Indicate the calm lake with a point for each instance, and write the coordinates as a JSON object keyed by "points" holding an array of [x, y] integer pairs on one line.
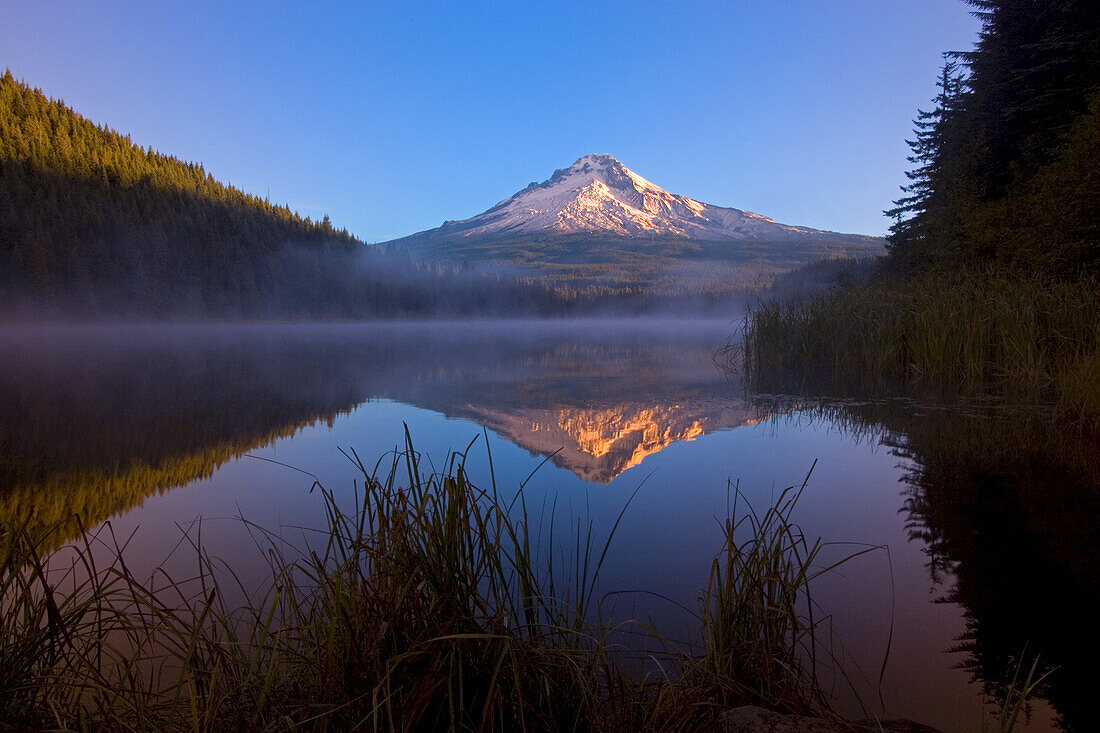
{"points": [[985, 516]]}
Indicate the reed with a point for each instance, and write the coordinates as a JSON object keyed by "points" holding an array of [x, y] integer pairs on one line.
{"points": [[1013, 701], [77, 636], [427, 607], [975, 330], [759, 625], [427, 604]]}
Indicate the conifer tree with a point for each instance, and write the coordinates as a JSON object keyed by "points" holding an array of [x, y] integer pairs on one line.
{"points": [[912, 211], [1003, 127]]}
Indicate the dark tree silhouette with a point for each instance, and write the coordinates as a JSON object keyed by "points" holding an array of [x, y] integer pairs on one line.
{"points": [[999, 178]]}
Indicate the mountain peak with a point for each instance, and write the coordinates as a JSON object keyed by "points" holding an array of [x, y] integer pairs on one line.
{"points": [[605, 169], [599, 196], [594, 163], [600, 160]]}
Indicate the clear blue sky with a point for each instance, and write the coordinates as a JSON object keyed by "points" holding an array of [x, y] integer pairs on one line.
{"points": [[392, 117]]}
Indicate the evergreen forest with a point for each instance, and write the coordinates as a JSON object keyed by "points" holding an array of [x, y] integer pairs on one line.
{"points": [[93, 225], [91, 221], [992, 279], [1007, 163]]}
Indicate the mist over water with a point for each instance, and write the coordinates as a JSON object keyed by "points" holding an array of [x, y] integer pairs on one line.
{"points": [[154, 426], [298, 282]]}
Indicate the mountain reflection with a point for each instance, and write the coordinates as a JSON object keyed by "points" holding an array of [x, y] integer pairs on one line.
{"points": [[599, 443], [1006, 502], [94, 419]]}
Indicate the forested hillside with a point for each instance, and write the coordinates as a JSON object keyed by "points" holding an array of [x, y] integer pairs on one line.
{"points": [[992, 280], [93, 225], [88, 219]]}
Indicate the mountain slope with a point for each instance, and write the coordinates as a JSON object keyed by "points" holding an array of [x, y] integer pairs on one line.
{"points": [[600, 195], [599, 222], [87, 216], [92, 225]]}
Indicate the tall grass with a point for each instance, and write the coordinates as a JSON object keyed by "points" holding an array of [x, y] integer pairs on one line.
{"points": [[970, 329], [427, 604], [1014, 700], [761, 627], [76, 637]]}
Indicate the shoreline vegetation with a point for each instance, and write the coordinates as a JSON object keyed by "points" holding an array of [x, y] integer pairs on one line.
{"points": [[430, 604], [1012, 334]]}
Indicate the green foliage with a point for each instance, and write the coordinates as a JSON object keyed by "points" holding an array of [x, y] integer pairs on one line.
{"points": [[92, 224], [995, 254], [87, 216], [923, 193], [1050, 223]]}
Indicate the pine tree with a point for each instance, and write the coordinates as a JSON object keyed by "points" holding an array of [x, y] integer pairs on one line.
{"points": [[931, 129], [1003, 117]]}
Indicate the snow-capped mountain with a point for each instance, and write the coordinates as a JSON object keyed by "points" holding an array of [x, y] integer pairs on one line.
{"points": [[598, 227], [598, 195]]}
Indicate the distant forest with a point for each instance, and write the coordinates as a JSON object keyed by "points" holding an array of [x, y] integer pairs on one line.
{"points": [[90, 221], [93, 225]]}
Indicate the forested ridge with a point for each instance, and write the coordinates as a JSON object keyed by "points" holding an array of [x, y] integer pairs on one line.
{"points": [[90, 220], [93, 225], [992, 279]]}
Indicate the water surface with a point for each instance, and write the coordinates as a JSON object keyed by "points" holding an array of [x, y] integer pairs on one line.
{"points": [[986, 517]]}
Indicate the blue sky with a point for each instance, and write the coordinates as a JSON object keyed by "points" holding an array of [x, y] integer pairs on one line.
{"points": [[392, 117]]}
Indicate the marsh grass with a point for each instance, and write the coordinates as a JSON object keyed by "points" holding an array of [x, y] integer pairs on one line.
{"points": [[427, 604], [976, 330], [762, 631], [765, 641], [75, 635]]}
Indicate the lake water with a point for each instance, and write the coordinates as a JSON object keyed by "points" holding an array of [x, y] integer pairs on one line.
{"points": [[986, 517]]}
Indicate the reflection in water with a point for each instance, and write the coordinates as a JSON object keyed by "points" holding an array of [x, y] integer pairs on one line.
{"points": [[1006, 503], [599, 443], [95, 420]]}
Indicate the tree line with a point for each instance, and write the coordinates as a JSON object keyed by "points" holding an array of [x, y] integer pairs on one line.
{"points": [[92, 224], [91, 221]]}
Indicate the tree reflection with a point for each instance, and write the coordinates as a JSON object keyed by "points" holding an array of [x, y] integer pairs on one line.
{"points": [[1006, 500]]}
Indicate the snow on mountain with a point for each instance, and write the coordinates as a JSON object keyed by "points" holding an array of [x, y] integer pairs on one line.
{"points": [[599, 195]]}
